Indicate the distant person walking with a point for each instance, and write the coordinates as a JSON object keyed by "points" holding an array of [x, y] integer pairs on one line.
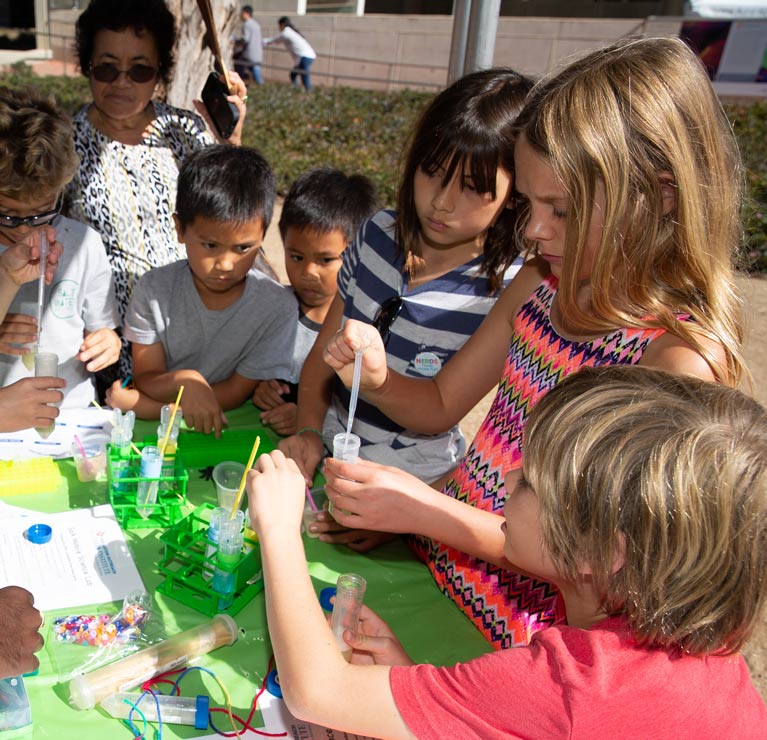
{"points": [[248, 47], [303, 54]]}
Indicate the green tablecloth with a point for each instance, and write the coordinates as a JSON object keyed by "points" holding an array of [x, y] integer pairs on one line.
{"points": [[399, 588]]}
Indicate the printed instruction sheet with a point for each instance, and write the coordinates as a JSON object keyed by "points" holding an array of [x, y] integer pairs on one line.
{"points": [[86, 561]]}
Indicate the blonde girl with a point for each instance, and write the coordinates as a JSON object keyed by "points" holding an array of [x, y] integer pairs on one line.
{"points": [[643, 497], [629, 178], [426, 274]]}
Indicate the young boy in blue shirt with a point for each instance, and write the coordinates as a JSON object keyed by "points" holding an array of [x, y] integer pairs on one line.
{"points": [[210, 322], [321, 214]]}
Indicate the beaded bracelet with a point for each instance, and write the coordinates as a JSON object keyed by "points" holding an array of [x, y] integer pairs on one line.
{"points": [[310, 429]]}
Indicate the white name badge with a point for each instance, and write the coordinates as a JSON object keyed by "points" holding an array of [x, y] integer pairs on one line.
{"points": [[427, 363]]}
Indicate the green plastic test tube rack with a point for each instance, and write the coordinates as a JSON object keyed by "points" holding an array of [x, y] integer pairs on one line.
{"points": [[36, 475], [202, 450], [188, 571], [123, 478]]}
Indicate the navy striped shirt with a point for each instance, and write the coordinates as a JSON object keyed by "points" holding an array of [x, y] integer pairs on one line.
{"points": [[435, 320]]}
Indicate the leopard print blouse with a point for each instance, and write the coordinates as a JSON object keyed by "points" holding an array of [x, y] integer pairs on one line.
{"points": [[127, 193]]}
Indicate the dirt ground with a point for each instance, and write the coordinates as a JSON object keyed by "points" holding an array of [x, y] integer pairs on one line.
{"points": [[754, 292]]}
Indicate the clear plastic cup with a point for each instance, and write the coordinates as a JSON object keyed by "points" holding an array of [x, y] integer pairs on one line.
{"points": [[310, 515], [92, 466], [227, 477]]}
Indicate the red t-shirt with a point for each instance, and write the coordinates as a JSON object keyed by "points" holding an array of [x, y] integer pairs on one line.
{"points": [[582, 684]]}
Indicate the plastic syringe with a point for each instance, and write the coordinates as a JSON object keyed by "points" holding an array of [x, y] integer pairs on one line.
{"points": [[91, 688]]}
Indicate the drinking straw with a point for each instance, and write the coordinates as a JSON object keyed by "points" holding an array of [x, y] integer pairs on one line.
{"points": [[238, 497], [310, 499], [95, 403], [355, 390], [86, 461]]}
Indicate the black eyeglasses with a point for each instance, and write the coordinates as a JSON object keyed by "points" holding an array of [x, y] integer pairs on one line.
{"points": [[41, 219], [139, 73], [386, 315]]}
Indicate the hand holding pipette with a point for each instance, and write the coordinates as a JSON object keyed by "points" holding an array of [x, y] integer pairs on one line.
{"points": [[20, 263], [340, 353]]}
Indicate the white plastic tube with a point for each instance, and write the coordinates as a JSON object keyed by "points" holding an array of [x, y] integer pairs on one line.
{"points": [[175, 710], [91, 688]]}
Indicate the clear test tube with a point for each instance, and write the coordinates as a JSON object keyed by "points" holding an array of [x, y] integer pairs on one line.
{"points": [[346, 447], [91, 688], [230, 542], [175, 710], [151, 467], [46, 366], [350, 590], [218, 515]]}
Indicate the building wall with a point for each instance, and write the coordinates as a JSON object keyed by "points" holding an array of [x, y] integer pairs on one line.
{"points": [[385, 52]]}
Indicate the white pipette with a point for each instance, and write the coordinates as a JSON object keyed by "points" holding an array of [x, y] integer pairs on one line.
{"points": [[41, 285], [355, 389]]}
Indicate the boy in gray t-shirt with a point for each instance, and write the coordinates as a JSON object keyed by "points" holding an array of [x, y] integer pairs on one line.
{"points": [[210, 322]]}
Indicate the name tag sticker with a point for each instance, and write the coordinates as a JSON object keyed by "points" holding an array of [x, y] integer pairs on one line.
{"points": [[427, 363]]}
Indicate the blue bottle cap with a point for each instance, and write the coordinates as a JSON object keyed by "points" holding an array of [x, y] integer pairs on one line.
{"points": [[201, 710], [39, 534], [325, 598], [273, 683]]}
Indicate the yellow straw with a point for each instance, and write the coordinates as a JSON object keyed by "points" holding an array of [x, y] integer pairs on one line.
{"points": [[238, 498], [170, 423], [101, 408]]}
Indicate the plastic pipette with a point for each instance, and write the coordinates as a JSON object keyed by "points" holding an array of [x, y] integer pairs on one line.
{"points": [[355, 389], [41, 286]]}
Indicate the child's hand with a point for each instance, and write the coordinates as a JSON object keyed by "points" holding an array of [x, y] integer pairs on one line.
{"points": [[375, 642], [282, 419], [24, 404], [359, 540], [269, 393], [380, 498], [306, 450], [17, 328], [20, 263], [202, 411], [339, 354], [275, 495], [100, 349], [121, 398]]}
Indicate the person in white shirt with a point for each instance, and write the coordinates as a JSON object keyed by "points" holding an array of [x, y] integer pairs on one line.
{"points": [[303, 54]]}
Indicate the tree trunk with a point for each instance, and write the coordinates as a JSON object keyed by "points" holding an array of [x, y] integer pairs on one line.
{"points": [[194, 59]]}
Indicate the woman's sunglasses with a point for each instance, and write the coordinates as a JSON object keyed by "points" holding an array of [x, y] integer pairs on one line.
{"points": [[139, 73], [386, 315], [40, 219]]}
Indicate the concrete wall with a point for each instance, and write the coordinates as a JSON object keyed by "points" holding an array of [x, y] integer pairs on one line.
{"points": [[386, 52]]}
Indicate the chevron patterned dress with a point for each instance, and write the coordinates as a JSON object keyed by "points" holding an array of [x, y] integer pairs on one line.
{"points": [[505, 606]]}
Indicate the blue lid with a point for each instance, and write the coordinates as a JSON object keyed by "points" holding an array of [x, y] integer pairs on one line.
{"points": [[39, 534], [325, 598], [201, 710], [273, 683]]}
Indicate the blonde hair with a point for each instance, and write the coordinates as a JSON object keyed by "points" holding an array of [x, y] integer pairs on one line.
{"points": [[679, 467], [627, 116], [37, 151]]}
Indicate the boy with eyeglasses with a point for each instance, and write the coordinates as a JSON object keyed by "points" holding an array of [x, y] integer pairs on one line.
{"points": [[37, 160]]}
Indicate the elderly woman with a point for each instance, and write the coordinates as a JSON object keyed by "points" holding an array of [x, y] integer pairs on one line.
{"points": [[130, 146]]}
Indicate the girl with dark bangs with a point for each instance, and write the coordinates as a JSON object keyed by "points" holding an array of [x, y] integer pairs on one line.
{"points": [[425, 275]]}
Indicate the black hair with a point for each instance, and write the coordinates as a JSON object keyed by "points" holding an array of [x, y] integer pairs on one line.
{"points": [[469, 124], [225, 183], [285, 21], [325, 200], [247, 9], [141, 16]]}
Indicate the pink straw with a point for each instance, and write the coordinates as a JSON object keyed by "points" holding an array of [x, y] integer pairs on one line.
{"points": [[310, 499], [86, 461]]}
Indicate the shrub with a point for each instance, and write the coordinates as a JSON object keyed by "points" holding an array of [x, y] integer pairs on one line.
{"points": [[366, 131]]}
